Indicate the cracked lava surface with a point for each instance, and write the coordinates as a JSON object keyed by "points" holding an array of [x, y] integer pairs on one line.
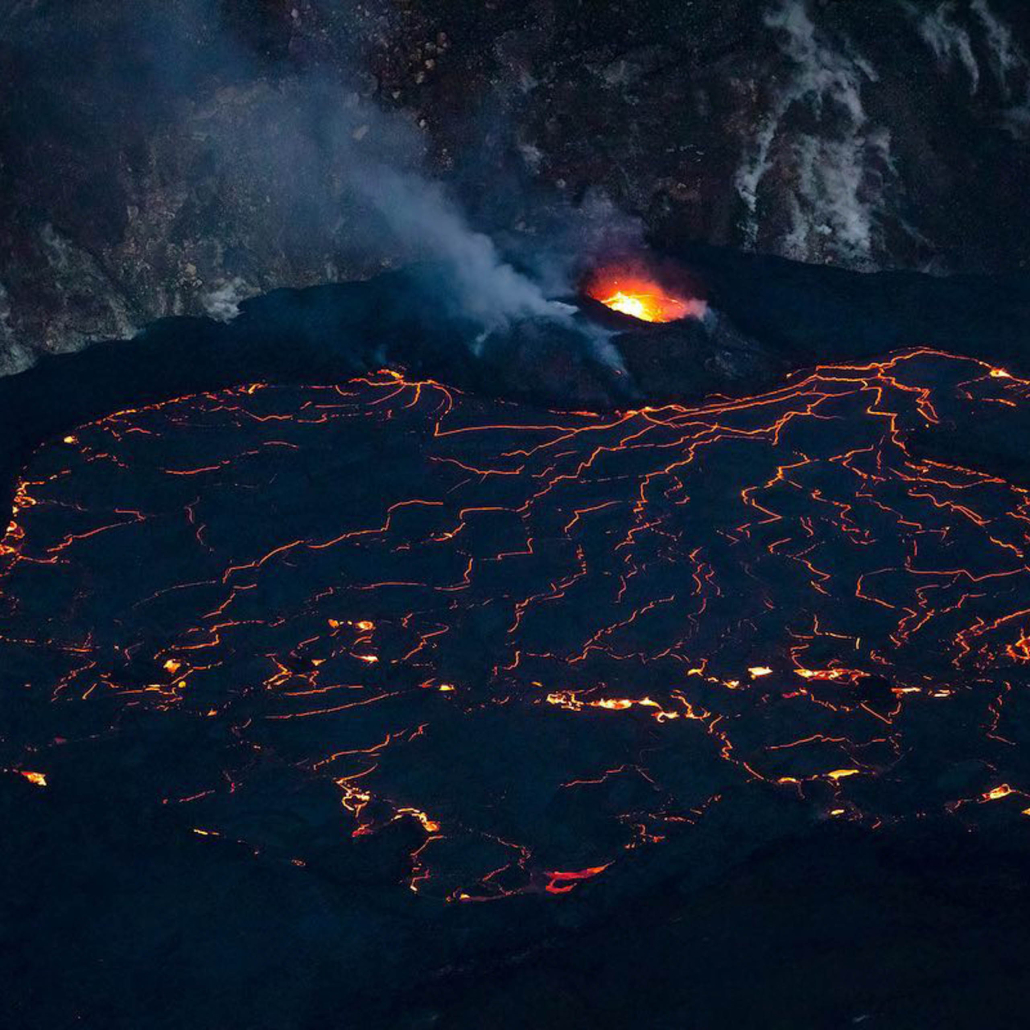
{"points": [[544, 644]]}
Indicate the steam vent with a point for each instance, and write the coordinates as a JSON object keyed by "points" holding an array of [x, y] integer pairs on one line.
{"points": [[514, 515]]}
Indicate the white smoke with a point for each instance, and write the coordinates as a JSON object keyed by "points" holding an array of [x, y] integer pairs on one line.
{"points": [[342, 181], [223, 303], [1001, 58], [333, 161], [831, 179], [1005, 56], [947, 38], [840, 171], [1011, 70], [14, 357], [423, 220]]}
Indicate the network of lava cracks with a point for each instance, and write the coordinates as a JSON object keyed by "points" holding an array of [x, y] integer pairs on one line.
{"points": [[544, 641]]}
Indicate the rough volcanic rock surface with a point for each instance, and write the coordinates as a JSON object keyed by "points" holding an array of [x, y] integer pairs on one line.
{"points": [[171, 158], [378, 704]]}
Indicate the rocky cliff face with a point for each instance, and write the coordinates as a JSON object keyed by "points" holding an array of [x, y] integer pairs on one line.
{"points": [[173, 158]]}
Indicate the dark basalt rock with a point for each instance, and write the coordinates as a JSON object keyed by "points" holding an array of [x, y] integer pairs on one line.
{"points": [[769, 316], [142, 914], [165, 159]]}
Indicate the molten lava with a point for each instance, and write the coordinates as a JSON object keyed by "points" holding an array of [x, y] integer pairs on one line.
{"points": [[642, 298], [523, 648]]}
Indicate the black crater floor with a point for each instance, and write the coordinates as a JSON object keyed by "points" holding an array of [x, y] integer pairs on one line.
{"points": [[415, 680]]}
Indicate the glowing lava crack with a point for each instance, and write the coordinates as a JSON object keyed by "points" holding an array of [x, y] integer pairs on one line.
{"points": [[529, 646]]}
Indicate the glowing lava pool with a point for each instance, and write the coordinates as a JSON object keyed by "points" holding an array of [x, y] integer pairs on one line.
{"points": [[525, 648], [642, 297]]}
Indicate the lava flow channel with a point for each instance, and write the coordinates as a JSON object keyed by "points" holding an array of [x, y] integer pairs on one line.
{"points": [[520, 649]]}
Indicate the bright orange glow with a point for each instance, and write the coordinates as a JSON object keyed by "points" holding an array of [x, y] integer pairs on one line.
{"points": [[563, 882], [429, 825], [567, 699], [757, 671], [642, 298], [37, 779]]}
